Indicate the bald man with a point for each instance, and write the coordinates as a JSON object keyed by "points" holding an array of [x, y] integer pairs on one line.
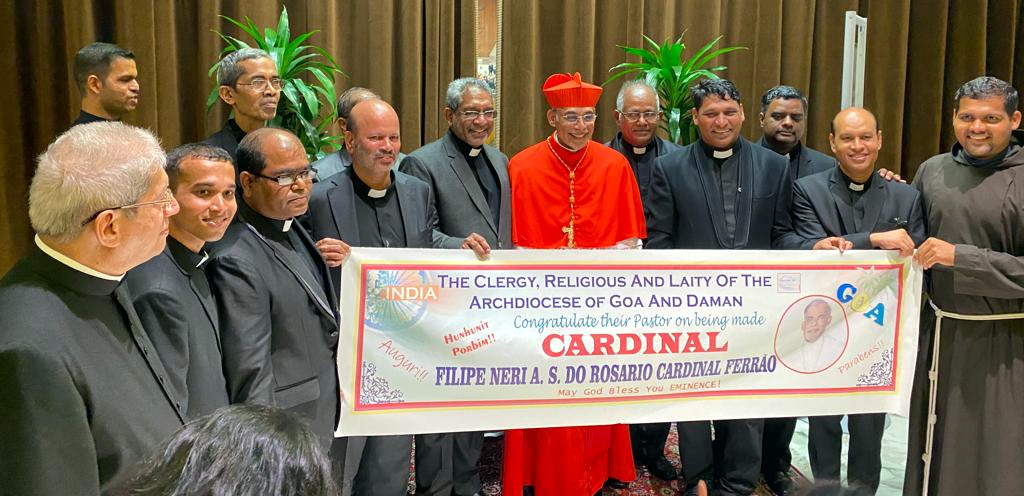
{"points": [[851, 207], [335, 162], [370, 204]]}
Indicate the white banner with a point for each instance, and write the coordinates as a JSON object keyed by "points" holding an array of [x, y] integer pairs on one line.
{"points": [[437, 341]]}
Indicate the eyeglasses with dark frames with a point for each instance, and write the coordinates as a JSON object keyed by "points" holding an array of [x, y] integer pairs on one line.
{"points": [[290, 178]]}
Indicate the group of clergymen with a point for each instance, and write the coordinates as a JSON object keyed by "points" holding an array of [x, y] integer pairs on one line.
{"points": [[111, 338]]}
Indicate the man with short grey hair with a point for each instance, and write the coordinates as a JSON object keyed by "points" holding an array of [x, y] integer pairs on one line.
{"points": [[85, 395], [470, 185], [250, 84], [335, 162], [108, 81]]}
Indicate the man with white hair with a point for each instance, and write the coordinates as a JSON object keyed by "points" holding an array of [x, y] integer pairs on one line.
{"points": [[84, 394]]}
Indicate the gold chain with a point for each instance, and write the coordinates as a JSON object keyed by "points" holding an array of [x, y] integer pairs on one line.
{"points": [[570, 230]]}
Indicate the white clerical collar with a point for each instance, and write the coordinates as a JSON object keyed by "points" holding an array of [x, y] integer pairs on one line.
{"points": [[287, 226], [639, 150], [472, 153], [722, 153], [856, 187], [64, 259]]}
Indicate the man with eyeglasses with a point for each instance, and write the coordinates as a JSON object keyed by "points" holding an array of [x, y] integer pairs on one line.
{"points": [[720, 192], [571, 192], [469, 181], [335, 162], [638, 113], [108, 82], [85, 396], [276, 304], [251, 86], [171, 292]]}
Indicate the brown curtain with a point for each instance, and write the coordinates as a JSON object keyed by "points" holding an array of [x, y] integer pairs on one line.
{"points": [[406, 50], [918, 54]]}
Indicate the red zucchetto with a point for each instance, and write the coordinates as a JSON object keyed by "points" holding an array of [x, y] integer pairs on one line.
{"points": [[569, 90]]}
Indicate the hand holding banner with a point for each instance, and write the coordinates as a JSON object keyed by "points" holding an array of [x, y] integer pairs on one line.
{"points": [[436, 341]]}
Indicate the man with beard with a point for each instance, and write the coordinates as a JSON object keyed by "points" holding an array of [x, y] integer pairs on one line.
{"points": [[84, 395], [250, 85], [108, 81], [850, 207], [721, 192], [276, 304], [571, 192], [171, 292], [470, 186], [335, 162], [370, 204], [973, 199]]}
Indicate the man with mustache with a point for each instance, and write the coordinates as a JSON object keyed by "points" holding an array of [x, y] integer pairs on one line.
{"points": [[85, 395], [783, 120], [720, 192], [469, 181], [972, 198], [370, 204], [569, 191], [251, 86], [276, 304], [335, 162], [108, 81], [171, 292]]}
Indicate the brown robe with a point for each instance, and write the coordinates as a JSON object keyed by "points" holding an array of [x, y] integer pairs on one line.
{"points": [[979, 435]]}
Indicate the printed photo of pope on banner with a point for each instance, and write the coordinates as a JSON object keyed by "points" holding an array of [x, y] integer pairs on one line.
{"points": [[434, 340]]}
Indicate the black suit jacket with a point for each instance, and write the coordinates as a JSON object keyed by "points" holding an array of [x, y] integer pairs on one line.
{"points": [[686, 206], [458, 199], [84, 395], [180, 316], [811, 161], [278, 332], [820, 210], [332, 212]]}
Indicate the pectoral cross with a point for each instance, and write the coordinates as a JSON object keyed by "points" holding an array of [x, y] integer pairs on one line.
{"points": [[570, 231]]}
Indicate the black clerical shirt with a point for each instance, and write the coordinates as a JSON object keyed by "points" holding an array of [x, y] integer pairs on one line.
{"points": [[85, 118], [485, 174], [853, 195], [727, 175], [379, 215]]}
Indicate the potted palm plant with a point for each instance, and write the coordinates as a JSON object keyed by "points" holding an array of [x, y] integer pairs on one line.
{"points": [[664, 67], [308, 99]]}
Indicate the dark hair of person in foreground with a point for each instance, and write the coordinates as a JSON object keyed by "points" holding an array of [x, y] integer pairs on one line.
{"points": [[238, 450]]}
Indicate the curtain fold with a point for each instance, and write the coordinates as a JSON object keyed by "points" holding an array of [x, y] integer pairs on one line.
{"points": [[408, 50]]}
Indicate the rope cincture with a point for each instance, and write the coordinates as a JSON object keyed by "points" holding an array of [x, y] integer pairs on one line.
{"points": [[933, 378]]}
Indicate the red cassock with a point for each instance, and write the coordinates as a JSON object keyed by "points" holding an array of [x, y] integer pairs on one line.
{"points": [[604, 209]]}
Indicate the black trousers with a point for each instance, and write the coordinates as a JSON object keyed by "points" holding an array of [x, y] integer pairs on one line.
{"points": [[775, 454], [446, 463], [649, 440], [825, 445], [731, 463]]}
